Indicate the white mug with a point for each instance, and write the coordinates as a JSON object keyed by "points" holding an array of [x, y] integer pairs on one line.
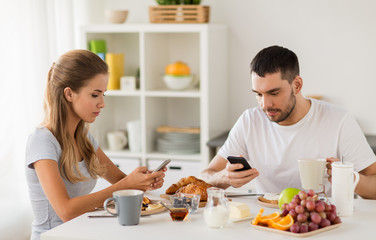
{"points": [[343, 185], [312, 171], [117, 140]]}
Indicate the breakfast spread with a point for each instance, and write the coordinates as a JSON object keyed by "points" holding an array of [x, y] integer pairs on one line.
{"points": [[191, 185]]}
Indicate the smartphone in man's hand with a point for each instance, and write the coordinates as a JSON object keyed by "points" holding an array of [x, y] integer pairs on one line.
{"points": [[238, 159]]}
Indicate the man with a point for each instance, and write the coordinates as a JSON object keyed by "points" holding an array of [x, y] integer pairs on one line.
{"points": [[287, 127]]}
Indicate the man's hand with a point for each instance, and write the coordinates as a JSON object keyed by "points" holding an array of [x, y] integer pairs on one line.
{"points": [[239, 178], [329, 167]]}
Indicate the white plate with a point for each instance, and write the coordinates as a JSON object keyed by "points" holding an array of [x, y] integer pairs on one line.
{"points": [[242, 219]]}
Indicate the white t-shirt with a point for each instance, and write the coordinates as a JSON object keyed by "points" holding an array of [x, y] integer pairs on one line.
{"points": [[325, 131]]}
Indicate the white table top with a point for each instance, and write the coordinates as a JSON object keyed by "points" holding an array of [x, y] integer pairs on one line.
{"points": [[361, 225]]}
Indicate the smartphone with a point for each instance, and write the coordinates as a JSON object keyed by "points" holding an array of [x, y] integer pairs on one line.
{"points": [[164, 164], [242, 160]]}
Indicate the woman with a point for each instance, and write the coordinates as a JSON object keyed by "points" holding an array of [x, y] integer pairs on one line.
{"points": [[63, 160]]}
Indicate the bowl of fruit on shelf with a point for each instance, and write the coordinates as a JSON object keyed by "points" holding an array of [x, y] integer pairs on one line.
{"points": [[304, 214], [178, 76]]}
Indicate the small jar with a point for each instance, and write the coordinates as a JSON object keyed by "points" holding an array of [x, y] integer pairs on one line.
{"points": [[217, 211]]}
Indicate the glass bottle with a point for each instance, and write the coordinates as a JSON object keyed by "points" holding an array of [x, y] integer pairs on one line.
{"points": [[217, 211]]}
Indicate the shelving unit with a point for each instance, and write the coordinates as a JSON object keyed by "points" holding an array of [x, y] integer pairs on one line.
{"points": [[149, 48]]}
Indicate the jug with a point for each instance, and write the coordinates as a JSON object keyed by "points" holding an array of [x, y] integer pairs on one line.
{"points": [[344, 181], [217, 210]]}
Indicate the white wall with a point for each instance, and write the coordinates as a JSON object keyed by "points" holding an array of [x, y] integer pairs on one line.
{"points": [[334, 40]]}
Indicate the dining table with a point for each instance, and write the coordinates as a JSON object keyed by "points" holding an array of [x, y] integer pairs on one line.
{"points": [[360, 225]]}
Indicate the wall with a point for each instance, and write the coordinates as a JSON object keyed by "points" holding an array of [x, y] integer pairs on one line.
{"points": [[334, 41]]}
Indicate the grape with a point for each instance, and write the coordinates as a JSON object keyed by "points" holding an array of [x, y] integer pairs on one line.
{"points": [[330, 216], [301, 217], [299, 209], [292, 205], [283, 206], [293, 213], [313, 226], [296, 199], [324, 223], [322, 214], [311, 193], [320, 207], [328, 207], [295, 228], [315, 217], [302, 195], [303, 202], [284, 213], [303, 228], [337, 220], [334, 208], [310, 205]]}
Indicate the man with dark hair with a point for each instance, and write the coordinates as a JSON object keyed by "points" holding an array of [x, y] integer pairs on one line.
{"points": [[287, 127]]}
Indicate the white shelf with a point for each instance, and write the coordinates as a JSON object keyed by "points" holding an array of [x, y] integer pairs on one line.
{"points": [[148, 48]]}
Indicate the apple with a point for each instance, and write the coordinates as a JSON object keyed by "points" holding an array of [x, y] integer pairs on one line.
{"points": [[287, 195]]}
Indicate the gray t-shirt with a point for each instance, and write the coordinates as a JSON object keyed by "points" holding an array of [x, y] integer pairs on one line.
{"points": [[42, 144]]}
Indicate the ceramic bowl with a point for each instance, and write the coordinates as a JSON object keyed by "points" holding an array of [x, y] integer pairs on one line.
{"points": [[116, 16], [177, 82]]}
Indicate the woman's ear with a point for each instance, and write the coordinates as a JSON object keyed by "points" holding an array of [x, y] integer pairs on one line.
{"points": [[68, 94]]}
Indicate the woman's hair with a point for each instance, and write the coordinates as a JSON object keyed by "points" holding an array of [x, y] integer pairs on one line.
{"points": [[276, 59], [73, 69]]}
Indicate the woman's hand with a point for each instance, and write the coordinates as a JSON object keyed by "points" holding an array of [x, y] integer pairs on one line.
{"points": [[143, 179]]}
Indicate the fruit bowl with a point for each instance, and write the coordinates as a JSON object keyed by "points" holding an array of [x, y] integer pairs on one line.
{"points": [[176, 82]]}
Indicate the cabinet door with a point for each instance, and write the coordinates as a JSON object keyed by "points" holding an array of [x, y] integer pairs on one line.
{"points": [[177, 169], [126, 165]]}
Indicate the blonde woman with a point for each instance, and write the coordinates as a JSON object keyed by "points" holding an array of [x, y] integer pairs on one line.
{"points": [[62, 158]]}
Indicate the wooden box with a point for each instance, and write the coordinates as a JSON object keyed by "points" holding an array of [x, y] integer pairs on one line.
{"points": [[179, 14]]}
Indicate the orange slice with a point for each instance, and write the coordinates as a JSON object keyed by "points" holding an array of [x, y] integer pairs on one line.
{"points": [[256, 220], [283, 224], [271, 217]]}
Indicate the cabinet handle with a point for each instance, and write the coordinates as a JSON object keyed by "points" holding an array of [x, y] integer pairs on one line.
{"points": [[117, 165], [174, 168]]}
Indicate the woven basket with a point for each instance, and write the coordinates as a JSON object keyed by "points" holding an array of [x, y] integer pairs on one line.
{"points": [[179, 14]]}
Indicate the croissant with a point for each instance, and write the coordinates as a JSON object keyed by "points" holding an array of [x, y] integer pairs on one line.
{"points": [[196, 188], [181, 183]]}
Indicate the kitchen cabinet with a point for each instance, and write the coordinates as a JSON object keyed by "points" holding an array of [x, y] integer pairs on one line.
{"points": [[148, 48]]}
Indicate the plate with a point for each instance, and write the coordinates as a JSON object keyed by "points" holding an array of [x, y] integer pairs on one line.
{"points": [[265, 204], [307, 234], [234, 220], [111, 208]]}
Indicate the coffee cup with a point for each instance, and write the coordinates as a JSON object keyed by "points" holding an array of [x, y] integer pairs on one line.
{"points": [[344, 181], [312, 171], [128, 205], [117, 140]]}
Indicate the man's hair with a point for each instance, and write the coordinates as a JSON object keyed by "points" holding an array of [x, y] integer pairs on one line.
{"points": [[276, 59]]}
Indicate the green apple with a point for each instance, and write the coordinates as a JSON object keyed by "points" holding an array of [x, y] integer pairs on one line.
{"points": [[287, 195]]}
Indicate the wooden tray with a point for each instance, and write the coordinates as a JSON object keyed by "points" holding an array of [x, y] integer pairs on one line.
{"points": [[179, 14], [165, 196], [307, 234]]}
